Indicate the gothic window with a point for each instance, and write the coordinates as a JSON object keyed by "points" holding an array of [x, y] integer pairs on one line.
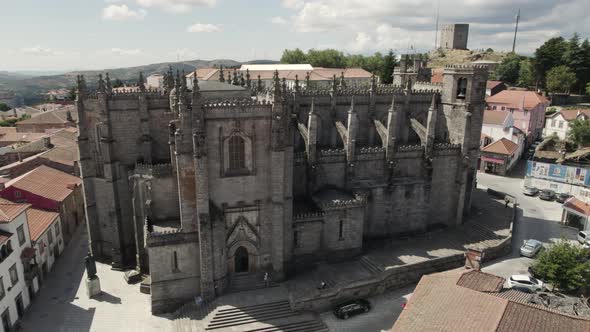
{"points": [[175, 262], [340, 230], [296, 239], [237, 158], [462, 88]]}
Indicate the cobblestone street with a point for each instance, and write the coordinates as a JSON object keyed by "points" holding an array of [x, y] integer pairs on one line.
{"points": [[62, 304]]}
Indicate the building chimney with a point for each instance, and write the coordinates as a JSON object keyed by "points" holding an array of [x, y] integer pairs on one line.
{"points": [[47, 142], [473, 259]]}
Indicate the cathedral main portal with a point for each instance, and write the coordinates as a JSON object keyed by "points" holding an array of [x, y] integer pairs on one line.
{"points": [[241, 260]]}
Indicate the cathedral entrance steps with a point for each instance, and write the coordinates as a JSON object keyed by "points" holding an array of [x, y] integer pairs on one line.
{"points": [[192, 312], [251, 314], [313, 325], [370, 265], [248, 281]]}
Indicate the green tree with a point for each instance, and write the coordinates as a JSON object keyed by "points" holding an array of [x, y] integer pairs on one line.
{"points": [[375, 63], [72, 94], [4, 107], [526, 73], [574, 58], [547, 56], [565, 265], [579, 132], [117, 83], [508, 70], [588, 89], [328, 58], [356, 61], [584, 71], [560, 79], [386, 75], [293, 56]]}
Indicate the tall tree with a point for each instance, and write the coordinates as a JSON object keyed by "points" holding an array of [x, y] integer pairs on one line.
{"points": [[507, 71], [356, 61], [584, 76], [579, 132], [293, 56], [560, 79], [329, 58], [547, 56], [526, 73], [389, 62], [565, 265], [573, 57], [375, 63], [4, 107]]}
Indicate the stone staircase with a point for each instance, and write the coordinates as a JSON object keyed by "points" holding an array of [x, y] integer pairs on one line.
{"points": [[370, 265], [240, 282], [313, 325], [191, 312]]}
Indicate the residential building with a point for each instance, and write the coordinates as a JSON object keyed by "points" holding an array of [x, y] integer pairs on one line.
{"points": [[494, 87], [9, 136], [17, 283], [464, 300], [49, 189], [499, 157], [155, 81], [10, 98], [58, 95], [558, 123], [527, 108], [502, 144], [46, 238], [47, 121]]}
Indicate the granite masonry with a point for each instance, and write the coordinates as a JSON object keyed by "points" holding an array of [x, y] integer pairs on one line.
{"points": [[193, 189]]}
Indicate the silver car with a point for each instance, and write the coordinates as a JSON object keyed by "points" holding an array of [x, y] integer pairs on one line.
{"points": [[530, 248], [530, 191]]}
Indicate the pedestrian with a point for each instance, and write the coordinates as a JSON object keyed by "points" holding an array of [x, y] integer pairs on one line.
{"points": [[266, 281]]}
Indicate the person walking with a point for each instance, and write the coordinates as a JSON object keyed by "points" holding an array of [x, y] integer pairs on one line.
{"points": [[266, 281]]}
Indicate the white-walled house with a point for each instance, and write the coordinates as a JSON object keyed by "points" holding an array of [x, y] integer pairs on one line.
{"points": [[46, 238], [558, 123], [14, 244], [502, 144]]}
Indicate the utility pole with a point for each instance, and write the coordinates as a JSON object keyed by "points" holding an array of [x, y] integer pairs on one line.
{"points": [[437, 15], [515, 31]]}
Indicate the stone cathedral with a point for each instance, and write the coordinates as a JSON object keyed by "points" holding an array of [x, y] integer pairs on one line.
{"points": [[195, 184]]}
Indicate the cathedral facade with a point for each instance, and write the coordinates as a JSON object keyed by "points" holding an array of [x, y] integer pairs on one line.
{"points": [[192, 188]]}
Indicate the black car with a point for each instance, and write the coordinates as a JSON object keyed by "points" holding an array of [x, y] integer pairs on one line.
{"points": [[561, 198], [351, 308], [546, 195]]}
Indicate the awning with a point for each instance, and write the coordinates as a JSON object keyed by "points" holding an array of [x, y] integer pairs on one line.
{"points": [[493, 160]]}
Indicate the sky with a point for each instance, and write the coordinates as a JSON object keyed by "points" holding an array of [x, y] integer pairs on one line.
{"points": [[61, 35]]}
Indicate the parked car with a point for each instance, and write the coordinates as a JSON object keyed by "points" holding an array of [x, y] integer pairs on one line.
{"points": [[562, 197], [523, 289], [530, 191], [530, 248], [524, 281], [583, 237], [547, 195], [351, 308]]}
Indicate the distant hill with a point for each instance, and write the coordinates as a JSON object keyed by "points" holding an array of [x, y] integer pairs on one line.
{"points": [[440, 58], [31, 87]]}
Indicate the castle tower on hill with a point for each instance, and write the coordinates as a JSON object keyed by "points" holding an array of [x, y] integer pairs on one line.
{"points": [[454, 36], [194, 188]]}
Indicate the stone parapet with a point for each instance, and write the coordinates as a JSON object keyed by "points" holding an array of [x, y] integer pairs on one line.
{"points": [[155, 170], [158, 239]]}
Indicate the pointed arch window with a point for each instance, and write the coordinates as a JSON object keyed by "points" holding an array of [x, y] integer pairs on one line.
{"points": [[462, 88], [237, 155]]}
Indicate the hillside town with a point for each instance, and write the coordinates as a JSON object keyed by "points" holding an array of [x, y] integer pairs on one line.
{"points": [[418, 187]]}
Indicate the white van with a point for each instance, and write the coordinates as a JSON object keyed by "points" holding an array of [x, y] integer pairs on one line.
{"points": [[583, 237]]}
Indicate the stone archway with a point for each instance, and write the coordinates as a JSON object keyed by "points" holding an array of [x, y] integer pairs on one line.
{"points": [[241, 261]]}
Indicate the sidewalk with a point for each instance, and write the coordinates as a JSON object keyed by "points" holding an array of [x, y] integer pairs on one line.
{"points": [[62, 305]]}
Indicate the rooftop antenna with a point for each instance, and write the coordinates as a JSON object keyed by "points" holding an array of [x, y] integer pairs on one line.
{"points": [[436, 33], [515, 31]]}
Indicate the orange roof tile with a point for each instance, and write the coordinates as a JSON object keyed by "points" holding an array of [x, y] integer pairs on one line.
{"points": [[46, 182], [570, 115], [10, 210], [501, 146], [515, 99], [437, 75], [481, 281], [578, 205], [494, 117], [39, 221], [493, 84]]}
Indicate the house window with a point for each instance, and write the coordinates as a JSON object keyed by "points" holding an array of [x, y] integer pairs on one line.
{"points": [[21, 235], [17, 194], [56, 229], [237, 158], [13, 274], [526, 112], [560, 124], [2, 292], [341, 230], [50, 236], [553, 123], [296, 239], [494, 107], [503, 108], [175, 262]]}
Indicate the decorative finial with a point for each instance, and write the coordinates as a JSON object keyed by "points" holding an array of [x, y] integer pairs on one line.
{"points": [[296, 83], [373, 83], [140, 83], [342, 82], [334, 84], [434, 102], [277, 83], [307, 80], [101, 87], [235, 80], [196, 88], [284, 86], [242, 80], [312, 110], [248, 82], [259, 84], [109, 86], [221, 78], [351, 110]]}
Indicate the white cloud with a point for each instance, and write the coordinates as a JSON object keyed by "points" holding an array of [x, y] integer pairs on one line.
{"points": [[122, 13], [125, 52], [204, 27], [41, 51], [176, 6], [278, 20], [293, 4]]}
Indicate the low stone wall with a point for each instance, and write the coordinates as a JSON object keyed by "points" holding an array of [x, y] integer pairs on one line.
{"points": [[397, 277]]}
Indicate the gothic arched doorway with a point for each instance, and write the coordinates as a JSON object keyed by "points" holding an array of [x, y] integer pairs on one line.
{"points": [[241, 260]]}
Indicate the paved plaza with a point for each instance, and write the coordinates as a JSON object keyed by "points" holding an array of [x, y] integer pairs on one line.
{"points": [[62, 304]]}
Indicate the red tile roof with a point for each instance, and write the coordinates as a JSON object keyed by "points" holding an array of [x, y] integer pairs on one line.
{"points": [[49, 117], [570, 115], [46, 182], [317, 74], [480, 281], [441, 303], [578, 206], [516, 98], [494, 117], [437, 75], [493, 84], [10, 210], [501, 146], [39, 221]]}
